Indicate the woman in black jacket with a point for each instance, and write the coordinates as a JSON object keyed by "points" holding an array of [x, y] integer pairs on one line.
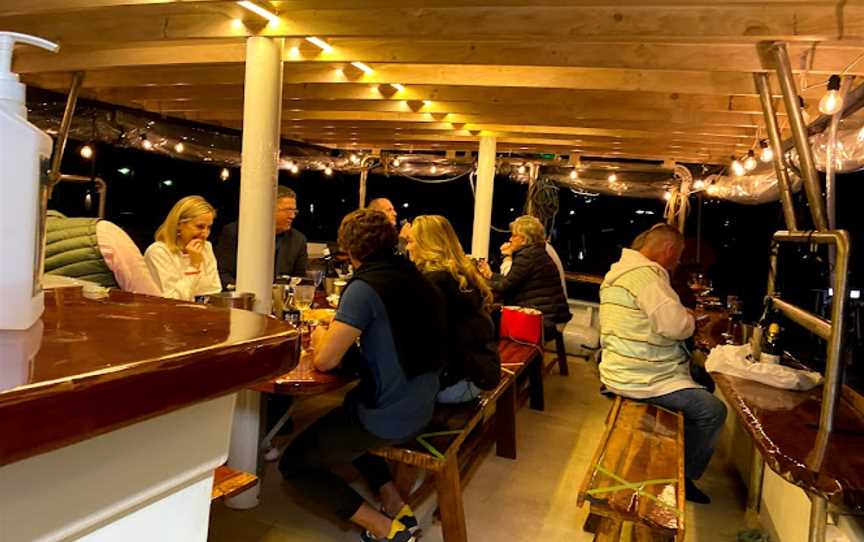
{"points": [[533, 280], [473, 363]]}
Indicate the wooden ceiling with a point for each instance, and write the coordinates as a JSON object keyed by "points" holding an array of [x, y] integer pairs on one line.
{"points": [[661, 79]]}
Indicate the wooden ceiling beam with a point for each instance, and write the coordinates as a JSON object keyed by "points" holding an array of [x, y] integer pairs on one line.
{"points": [[821, 58], [705, 24]]}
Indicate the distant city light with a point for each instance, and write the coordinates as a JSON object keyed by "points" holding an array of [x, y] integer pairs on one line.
{"points": [[167, 182], [405, 205], [124, 171]]}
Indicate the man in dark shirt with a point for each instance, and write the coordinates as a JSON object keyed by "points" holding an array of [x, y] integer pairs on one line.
{"points": [[291, 257]]}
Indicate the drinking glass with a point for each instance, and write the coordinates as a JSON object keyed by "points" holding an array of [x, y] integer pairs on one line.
{"points": [[304, 295], [316, 275]]}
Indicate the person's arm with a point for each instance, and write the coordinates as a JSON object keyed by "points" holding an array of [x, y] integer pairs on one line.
{"points": [[170, 276], [668, 316], [330, 344], [519, 272], [208, 280], [225, 251], [125, 260]]}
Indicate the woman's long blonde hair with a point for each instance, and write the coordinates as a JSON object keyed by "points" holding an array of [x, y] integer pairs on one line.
{"points": [[437, 249], [188, 208]]}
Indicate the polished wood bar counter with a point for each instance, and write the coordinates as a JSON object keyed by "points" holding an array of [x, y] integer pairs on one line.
{"points": [[93, 366]]}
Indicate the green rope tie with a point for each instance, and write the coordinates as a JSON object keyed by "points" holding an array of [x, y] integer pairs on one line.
{"points": [[432, 449], [638, 487]]}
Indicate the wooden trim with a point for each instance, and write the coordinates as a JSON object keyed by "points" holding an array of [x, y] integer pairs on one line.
{"points": [[595, 459]]}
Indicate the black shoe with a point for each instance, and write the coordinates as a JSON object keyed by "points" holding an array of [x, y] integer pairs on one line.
{"points": [[694, 494]]}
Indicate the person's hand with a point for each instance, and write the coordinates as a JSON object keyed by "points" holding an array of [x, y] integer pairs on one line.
{"points": [[484, 269], [507, 249], [195, 250]]}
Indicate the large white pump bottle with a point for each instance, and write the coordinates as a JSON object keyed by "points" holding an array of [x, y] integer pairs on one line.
{"points": [[25, 152]]}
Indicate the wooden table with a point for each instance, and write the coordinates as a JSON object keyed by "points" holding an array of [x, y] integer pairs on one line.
{"points": [[305, 380]]}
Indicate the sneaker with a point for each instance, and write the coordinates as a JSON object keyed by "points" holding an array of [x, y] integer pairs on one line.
{"points": [[694, 494], [272, 454], [398, 533], [406, 516]]}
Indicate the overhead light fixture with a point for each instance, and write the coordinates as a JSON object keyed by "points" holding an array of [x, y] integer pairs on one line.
{"points": [[124, 171], [328, 171], [766, 154], [86, 152], [831, 103], [179, 147], [225, 174], [362, 67], [737, 167], [258, 10], [321, 44], [750, 162], [612, 177]]}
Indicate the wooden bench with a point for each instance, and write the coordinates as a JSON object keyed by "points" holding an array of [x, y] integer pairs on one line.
{"points": [[452, 442], [635, 484], [228, 482]]}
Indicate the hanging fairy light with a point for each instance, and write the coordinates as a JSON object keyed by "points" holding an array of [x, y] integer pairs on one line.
{"points": [[86, 152], [295, 169], [737, 167], [521, 169], [396, 162], [712, 190], [179, 147], [354, 159], [698, 184], [574, 175], [750, 162], [667, 195], [433, 170], [225, 174], [328, 171], [831, 103], [612, 178], [766, 154]]}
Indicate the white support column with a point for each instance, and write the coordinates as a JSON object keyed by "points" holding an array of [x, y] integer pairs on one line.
{"points": [[262, 109], [483, 198]]}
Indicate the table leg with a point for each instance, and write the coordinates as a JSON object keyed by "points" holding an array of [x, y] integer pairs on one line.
{"points": [[754, 488]]}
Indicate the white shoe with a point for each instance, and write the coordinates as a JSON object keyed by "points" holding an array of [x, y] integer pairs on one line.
{"points": [[272, 454]]}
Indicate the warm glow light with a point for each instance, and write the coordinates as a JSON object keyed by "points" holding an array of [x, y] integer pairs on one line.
{"points": [[321, 44], [258, 10], [750, 162], [86, 152], [433, 170], [521, 169], [295, 169], [147, 144], [667, 195], [225, 174], [698, 184], [362, 67], [294, 52], [179, 147], [737, 167], [831, 103], [712, 190], [574, 174], [612, 177], [354, 159], [396, 162], [237, 24], [766, 154], [328, 171]]}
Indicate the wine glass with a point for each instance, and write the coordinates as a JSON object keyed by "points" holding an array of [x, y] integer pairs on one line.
{"points": [[316, 275], [304, 295]]}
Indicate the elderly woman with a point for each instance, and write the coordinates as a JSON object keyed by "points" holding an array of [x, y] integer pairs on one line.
{"points": [[396, 315], [181, 260], [473, 363], [533, 279]]}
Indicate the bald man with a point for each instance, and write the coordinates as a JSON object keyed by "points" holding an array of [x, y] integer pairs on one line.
{"points": [[385, 206], [643, 326]]}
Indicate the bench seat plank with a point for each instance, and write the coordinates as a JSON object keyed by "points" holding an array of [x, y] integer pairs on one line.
{"points": [[228, 482]]}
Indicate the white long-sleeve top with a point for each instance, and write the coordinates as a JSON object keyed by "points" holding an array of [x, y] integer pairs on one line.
{"points": [[175, 275]]}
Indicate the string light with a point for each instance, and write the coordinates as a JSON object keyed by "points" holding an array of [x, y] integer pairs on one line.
{"points": [[396, 162], [521, 169], [362, 67], [698, 184], [574, 175], [354, 159], [737, 167], [712, 190], [86, 152], [295, 169], [328, 171], [766, 154], [147, 144], [750, 162], [321, 44], [225, 174], [433, 170], [179, 147], [831, 103], [612, 177], [667, 195], [258, 10]]}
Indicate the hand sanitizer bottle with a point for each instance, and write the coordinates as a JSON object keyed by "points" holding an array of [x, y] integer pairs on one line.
{"points": [[24, 158]]}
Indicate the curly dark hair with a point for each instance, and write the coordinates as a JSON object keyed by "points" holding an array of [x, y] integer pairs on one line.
{"points": [[366, 234]]}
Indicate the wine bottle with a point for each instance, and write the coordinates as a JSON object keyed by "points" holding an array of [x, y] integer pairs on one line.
{"points": [[771, 350], [291, 313]]}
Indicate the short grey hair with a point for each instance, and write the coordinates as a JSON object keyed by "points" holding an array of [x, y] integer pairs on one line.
{"points": [[530, 228], [377, 204], [657, 234], [285, 192]]}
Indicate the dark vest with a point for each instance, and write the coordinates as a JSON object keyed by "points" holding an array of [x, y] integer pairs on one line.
{"points": [[71, 250]]}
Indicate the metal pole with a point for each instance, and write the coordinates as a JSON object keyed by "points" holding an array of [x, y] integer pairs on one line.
{"points": [[830, 169], [763, 85], [262, 108], [483, 197], [699, 201], [65, 125], [754, 491], [812, 186], [834, 366], [818, 519]]}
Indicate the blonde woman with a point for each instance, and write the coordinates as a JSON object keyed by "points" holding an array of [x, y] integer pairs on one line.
{"points": [[472, 355], [181, 260]]}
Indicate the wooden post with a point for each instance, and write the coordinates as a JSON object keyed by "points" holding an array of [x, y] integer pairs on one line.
{"points": [[483, 198], [262, 107]]}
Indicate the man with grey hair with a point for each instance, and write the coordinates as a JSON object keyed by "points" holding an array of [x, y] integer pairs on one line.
{"points": [[385, 206], [291, 256], [643, 326]]}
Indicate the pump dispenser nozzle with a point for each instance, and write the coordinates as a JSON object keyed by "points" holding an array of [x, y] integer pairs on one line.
{"points": [[11, 90]]}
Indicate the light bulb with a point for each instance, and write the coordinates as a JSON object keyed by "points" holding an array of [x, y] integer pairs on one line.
{"points": [[574, 174], [396, 162], [147, 144], [737, 168], [698, 184], [354, 158], [295, 169], [766, 154], [750, 162], [433, 170], [179, 147], [667, 195], [712, 190], [612, 177], [521, 169], [86, 152], [328, 171], [831, 103], [224, 174]]}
